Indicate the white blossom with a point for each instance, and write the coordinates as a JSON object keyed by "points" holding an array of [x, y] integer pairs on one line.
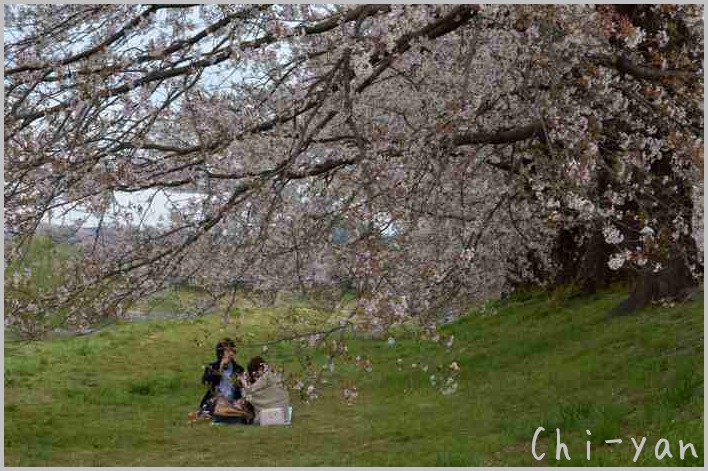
{"points": [[617, 260], [612, 235]]}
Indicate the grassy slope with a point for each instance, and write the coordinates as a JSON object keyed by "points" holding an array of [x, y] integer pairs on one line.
{"points": [[120, 397]]}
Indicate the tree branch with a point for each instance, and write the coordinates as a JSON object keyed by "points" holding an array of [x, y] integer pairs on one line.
{"points": [[624, 65], [509, 136], [450, 22]]}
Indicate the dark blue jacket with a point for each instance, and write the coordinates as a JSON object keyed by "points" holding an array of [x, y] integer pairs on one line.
{"points": [[212, 377]]}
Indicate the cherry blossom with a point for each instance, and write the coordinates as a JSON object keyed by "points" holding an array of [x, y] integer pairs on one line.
{"points": [[418, 156]]}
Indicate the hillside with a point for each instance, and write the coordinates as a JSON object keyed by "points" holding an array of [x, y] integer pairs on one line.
{"points": [[120, 397]]}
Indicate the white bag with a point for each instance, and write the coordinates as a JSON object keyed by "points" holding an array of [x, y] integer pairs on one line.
{"points": [[276, 416]]}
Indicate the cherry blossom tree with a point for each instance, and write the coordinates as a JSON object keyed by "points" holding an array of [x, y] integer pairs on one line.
{"points": [[421, 155]]}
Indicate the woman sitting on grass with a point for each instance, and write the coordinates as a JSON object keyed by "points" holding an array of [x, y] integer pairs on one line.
{"points": [[220, 376], [263, 389]]}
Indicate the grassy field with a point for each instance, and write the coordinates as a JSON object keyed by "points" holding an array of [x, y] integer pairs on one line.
{"points": [[120, 397]]}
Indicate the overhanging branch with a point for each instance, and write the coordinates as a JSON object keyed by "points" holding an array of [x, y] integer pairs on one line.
{"points": [[509, 136], [653, 74]]}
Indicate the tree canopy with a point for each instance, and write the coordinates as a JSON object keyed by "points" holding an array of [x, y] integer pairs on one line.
{"points": [[417, 154]]}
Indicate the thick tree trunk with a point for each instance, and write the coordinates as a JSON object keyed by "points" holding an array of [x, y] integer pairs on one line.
{"points": [[675, 282], [585, 263], [681, 256]]}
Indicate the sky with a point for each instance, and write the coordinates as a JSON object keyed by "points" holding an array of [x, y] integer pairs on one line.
{"points": [[162, 202], [154, 212], [157, 205]]}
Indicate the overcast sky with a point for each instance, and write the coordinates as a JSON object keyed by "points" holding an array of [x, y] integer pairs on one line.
{"points": [[156, 208]]}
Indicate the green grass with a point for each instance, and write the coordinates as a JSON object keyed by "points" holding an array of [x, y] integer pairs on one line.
{"points": [[42, 267], [120, 397]]}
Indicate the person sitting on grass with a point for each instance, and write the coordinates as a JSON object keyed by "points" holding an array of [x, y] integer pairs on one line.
{"points": [[220, 376], [263, 389]]}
